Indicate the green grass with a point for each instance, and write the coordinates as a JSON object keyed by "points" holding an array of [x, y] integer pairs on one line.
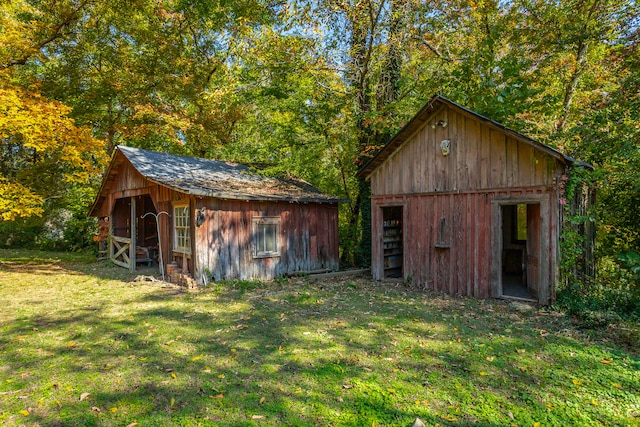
{"points": [[81, 346]]}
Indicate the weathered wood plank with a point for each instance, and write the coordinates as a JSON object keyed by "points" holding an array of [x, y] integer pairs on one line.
{"points": [[498, 159]]}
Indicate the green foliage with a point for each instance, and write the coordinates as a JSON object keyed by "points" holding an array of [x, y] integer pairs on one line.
{"points": [[313, 88], [631, 261]]}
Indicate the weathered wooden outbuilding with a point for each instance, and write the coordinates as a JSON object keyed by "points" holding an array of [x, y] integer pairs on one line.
{"points": [[216, 220], [464, 205]]}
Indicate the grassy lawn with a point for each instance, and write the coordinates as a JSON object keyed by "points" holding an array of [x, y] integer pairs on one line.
{"points": [[82, 346]]}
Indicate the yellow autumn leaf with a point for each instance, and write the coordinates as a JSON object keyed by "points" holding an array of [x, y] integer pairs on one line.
{"points": [[193, 359], [490, 358], [71, 343], [173, 402], [262, 399], [576, 382], [221, 376], [173, 375], [594, 402], [616, 385], [536, 424], [606, 361], [24, 412], [483, 373], [114, 409]]}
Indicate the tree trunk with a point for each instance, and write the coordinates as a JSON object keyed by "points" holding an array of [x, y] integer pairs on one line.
{"points": [[581, 59]]}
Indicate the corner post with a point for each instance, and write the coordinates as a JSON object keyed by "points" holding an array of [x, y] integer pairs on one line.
{"points": [[132, 248]]}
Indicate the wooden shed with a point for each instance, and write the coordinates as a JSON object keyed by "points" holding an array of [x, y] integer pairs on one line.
{"points": [[216, 220], [464, 205]]}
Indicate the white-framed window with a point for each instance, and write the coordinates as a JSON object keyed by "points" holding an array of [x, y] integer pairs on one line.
{"points": [[266, 232], [181, 229]]}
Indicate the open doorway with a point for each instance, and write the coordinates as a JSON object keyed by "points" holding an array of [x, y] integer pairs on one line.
{"points": [[520, 250], [141, 233], [392, 241]]}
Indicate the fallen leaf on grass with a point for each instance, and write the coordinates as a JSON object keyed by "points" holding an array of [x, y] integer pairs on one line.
{"points": [[606, 361], [257, 417], [83, 396], [594, 402], [133, 424], [114, 410], [71, 343], [490, 358], [25, 412], [193, 359], [262, 399], [576, 382], [616, 385], [173, 401], [95, 409], [173, 375]]}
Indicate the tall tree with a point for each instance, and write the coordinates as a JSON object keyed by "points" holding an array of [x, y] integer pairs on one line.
{"points": [[42, 150]]}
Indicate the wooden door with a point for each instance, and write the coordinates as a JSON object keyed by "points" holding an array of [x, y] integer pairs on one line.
{"points": [[533, 249]]}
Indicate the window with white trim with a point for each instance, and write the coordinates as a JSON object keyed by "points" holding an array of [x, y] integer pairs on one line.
{"points": [[266, 232], [181, 230]]}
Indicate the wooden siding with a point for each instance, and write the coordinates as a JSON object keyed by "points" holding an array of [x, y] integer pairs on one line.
{"points": [[482, 157], [459, 260], [308, 239]]}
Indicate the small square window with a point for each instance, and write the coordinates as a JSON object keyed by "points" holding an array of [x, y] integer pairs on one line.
{"points": [[266, 231]]}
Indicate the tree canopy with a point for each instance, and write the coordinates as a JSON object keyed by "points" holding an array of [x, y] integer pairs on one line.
{"points": [[309, 87]]}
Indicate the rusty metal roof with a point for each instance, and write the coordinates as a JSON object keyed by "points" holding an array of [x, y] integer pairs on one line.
{"points": [[211, 178], [437, 102]]}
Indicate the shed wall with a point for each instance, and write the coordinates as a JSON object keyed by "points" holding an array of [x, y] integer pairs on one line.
{"points": [[308, 239], [459, 260], [481, 157]]}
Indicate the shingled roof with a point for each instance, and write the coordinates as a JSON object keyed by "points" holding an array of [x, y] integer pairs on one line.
{"points": [[210, 178]]}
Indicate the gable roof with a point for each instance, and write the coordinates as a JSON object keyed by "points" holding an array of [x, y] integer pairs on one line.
{"points": [[437, 102], [208, 178]]}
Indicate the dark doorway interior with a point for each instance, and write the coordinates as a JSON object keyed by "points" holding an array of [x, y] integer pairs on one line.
{"points": [[146, 236], [146, 229], [514, 251], [392, 241]]}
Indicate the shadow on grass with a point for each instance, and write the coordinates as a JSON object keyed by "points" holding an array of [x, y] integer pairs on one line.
{"points": [[299, 353]]}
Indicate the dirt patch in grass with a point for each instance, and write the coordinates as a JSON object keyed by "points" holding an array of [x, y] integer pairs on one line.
{"points": [[80, 344]]}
